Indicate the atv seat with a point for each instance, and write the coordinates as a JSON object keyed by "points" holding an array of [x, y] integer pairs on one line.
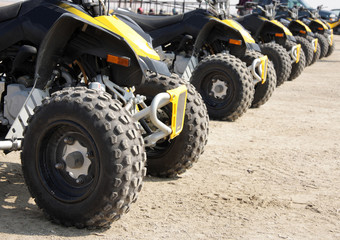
{"points": [[149, 23], [10, 11]]}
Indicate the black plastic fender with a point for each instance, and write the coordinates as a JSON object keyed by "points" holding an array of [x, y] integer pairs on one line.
{"points": [[316, 27], [268, 30], [214, 30], [262, 29], [295, 27], [72, 37]]}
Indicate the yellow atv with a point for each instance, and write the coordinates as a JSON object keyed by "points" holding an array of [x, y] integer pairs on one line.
{"points": [[209, 52], [302, 33], [276, 41], [67, 79], [320, 28]]}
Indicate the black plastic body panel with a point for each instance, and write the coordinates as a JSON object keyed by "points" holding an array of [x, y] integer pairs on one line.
{"points": [[261, 30], [197, 24]]}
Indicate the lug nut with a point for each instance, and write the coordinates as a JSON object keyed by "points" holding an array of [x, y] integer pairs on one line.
{"points": [[59, 166], [80, 180], [89, 155], [69, 140]]}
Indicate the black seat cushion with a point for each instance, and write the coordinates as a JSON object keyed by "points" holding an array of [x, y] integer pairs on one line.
{"points": [[10, 11], [149, 23]]}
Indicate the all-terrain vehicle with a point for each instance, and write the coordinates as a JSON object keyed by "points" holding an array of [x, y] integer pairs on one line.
{"points": [[207, 51], [303, 34], [67, 78], [320, 21], [320, 28], [329, 16], [275, 40]]}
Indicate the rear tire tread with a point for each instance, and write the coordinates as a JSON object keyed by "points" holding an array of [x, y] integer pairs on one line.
{"points": [[281, 60]]}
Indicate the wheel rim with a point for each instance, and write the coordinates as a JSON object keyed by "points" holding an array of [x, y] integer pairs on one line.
{"points": [[217, 89], [68, 163]]}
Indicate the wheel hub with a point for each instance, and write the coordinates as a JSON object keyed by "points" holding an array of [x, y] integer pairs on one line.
{"points": [[219, 88], [76, 158]]}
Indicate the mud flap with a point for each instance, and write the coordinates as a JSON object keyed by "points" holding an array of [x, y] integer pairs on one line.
{"points": [[193, 62], [33, 100]]}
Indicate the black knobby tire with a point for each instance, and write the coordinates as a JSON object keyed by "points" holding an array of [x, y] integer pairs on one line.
{"points": [[234, 81], [324, 45], [72, 121], [297, 68], [316, 55], [331, 49], [262, 91], [281, 60], [170, 158], [307, 49]]}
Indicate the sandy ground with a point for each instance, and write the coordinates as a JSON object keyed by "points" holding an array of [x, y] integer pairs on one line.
{"points": [[272, 174]]}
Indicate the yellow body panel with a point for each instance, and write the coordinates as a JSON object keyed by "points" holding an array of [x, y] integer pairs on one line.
{"points": [[298, 51], [264, 66], [178, 98], [245, 34], [113, 24], [316, 44], [305, 26], [335, 24], [285, 29], [138, 43]]}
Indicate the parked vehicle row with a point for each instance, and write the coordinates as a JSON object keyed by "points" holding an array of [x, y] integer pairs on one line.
{"points": [[97, 99]]}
